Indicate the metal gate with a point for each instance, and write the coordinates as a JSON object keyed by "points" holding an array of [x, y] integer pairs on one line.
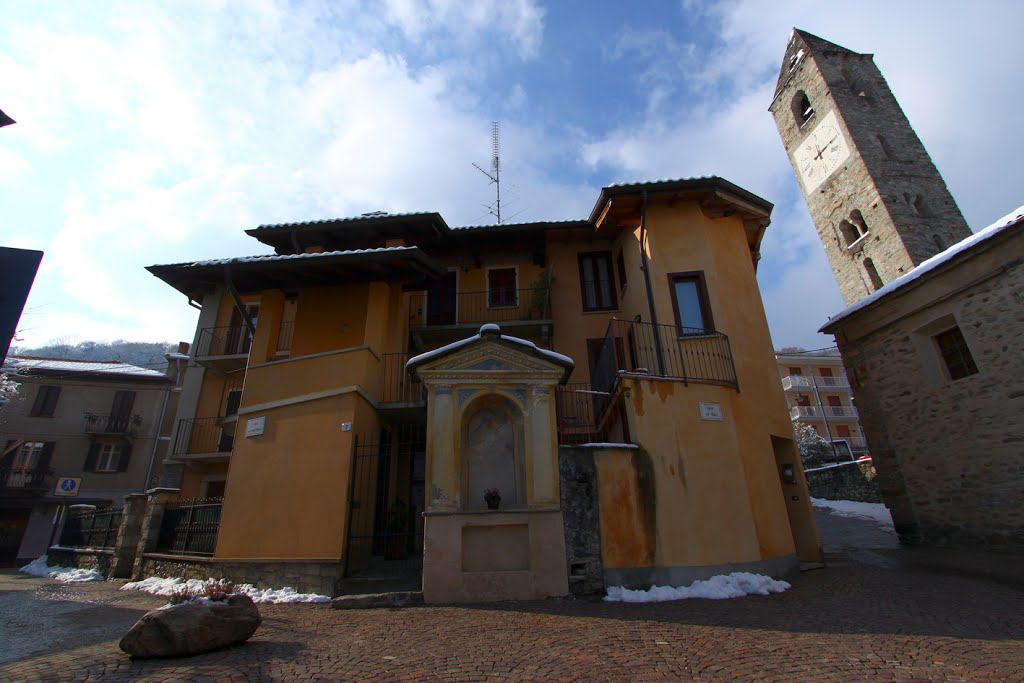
{"points": [[386, 499]]}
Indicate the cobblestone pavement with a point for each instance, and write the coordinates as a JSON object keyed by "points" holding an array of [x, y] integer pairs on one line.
{"points": [[870, 616]]}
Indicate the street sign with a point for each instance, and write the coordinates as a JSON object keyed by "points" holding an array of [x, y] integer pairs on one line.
{"points": [[67, 486]]}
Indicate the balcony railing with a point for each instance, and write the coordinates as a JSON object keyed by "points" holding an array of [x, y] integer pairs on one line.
{"points": [[233, 340], [399, 387], [124, 425], [204, 435], [190, 527], [578, 408], [21, 479], [808, 381], [475, 308], [815, 413], [641, 348]]}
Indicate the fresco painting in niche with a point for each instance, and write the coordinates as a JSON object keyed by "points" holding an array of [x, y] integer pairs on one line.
{"points": [[493, 453]]}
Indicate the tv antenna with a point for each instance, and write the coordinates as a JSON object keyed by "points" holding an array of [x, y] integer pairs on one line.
{"points": [[495, 173]]}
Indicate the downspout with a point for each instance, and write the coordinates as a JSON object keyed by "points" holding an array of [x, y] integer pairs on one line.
{"points": [[295, 241], [645, 266], [156, 437], [238, 300]]}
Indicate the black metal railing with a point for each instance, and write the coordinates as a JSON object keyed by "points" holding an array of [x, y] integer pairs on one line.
{"points": [[641, 348], [204, 435], [284, 336], [399, 387], [189, 527], [233, 340], [578, 408], [494, 306], [98, 423], [91, 528], [21, 479]]}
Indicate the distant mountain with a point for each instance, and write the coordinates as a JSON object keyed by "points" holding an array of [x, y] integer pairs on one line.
{"points": [[143, 354]]}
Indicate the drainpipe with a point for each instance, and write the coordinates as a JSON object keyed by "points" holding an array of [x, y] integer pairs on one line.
{"points": [[647, 283], [156, 437], [238, 300]]}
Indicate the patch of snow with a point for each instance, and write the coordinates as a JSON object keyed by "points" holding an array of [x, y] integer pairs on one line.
{"points": [[486, 329], [37, 567], [721, 587], [852, 508], [156, 585], [1015, 217], [608, 445]]}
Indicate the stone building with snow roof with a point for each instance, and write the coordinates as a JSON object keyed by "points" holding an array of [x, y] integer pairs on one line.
{"points": [[77, 432], [341, 471], [931, 336]]}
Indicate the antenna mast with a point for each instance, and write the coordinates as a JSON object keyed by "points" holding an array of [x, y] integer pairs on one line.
{"points": [[495, 173]]}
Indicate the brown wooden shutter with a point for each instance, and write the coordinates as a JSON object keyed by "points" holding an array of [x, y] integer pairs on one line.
{"points": [[90, 459], [8, 454], [126, 455], [44, 457], [50, 404], [122, 407], [37, 405]]}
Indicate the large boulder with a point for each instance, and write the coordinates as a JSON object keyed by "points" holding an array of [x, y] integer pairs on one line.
{"points": [[193, 627]]}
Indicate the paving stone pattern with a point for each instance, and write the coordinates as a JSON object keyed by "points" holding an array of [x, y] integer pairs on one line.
{"points": [[855, 620]]}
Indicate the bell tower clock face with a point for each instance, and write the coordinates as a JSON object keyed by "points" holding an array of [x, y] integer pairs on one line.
{"points": [[821, 153]]}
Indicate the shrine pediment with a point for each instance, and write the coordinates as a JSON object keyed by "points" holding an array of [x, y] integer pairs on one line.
{"points": [[491, 354]]}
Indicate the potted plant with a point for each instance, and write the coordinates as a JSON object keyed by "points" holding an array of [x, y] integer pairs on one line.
{"points": [[397, 530], [541, 290], [493, 498]]}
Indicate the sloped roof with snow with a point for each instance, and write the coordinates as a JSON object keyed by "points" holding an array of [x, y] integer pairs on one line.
{"points": [[80, 368], [1012, 220]]}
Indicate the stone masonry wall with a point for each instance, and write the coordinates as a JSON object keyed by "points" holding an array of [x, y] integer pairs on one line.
{"points": [[845, 481], [306, 577], [580, 515], [97, 560], [949, 454]]}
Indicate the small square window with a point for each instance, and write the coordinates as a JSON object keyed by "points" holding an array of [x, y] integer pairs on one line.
{"points": [[955, 354]]}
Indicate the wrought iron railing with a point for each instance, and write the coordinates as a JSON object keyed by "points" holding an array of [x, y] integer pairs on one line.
{"points": [[494, 306], [578, 408], [127, 425], [399, 387], [204, 435], [232, 340], [91, 528], [21, 479], [189, 527], [640, 348]]}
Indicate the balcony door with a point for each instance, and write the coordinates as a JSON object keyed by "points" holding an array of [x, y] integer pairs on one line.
{"points": [[441, 300], [238, 339], [121, 412]]}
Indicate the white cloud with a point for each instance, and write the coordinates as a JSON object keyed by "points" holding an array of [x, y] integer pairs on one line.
{"points": [[520, 22]]}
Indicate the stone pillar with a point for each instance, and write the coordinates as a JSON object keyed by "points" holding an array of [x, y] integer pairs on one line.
{"points": [[150, 528], [128, 535], [443, 473]]}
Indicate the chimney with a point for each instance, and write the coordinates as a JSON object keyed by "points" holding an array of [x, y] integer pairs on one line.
{"points": [[183, 347]]}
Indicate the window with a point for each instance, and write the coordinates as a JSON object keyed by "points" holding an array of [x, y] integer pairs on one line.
{"points": [[109, 457], [853, 228], [801, 107], [690, 299], [955, 354], [27, 457], [25, 465], [46, 401], [620, 265], [596, 281], [876, 280], [843, 431], [234, 398], [796, 371], [501, 288]]}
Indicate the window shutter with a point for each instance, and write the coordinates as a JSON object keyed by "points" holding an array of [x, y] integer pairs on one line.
{"points": [[90, 460], [37, 405], [126, 454], [50, 404], [44, 457], [8, 454]]}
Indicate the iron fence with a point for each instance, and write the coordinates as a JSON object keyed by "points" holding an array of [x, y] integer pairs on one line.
{"points": [[91, 528], [578, 408], [689, 354], [399, 387], [493, 306], [204, 435], [189, 527]]}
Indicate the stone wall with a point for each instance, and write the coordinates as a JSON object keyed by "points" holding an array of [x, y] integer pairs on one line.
{"points": [[304, 576], [949, 453], [83, 558], [845, 481], [580, 514]]}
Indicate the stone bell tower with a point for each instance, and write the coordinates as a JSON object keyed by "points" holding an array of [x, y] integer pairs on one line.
{"points": [[878, 203]]}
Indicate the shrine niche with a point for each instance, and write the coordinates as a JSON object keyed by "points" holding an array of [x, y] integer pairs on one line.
{"points": [[491, 427]]}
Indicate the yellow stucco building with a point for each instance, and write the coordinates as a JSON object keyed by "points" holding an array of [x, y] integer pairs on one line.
{"points": [[335, 461]]}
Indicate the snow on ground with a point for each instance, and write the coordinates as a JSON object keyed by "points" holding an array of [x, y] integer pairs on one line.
{"points": [[734, 585], [156, 585], [37, 567], [850, 508]]}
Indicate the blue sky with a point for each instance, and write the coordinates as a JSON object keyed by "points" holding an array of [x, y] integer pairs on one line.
{"points": [[157, 133]]}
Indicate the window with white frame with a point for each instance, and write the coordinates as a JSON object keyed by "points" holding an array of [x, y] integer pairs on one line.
{"points": [[108, 458], [27, 456]]}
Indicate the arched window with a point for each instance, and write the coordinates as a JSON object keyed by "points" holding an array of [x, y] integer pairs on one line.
{"points": [[801, 107], [492, 449], [853, 228], [876, 281], [858, 222], [918, 205]]}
